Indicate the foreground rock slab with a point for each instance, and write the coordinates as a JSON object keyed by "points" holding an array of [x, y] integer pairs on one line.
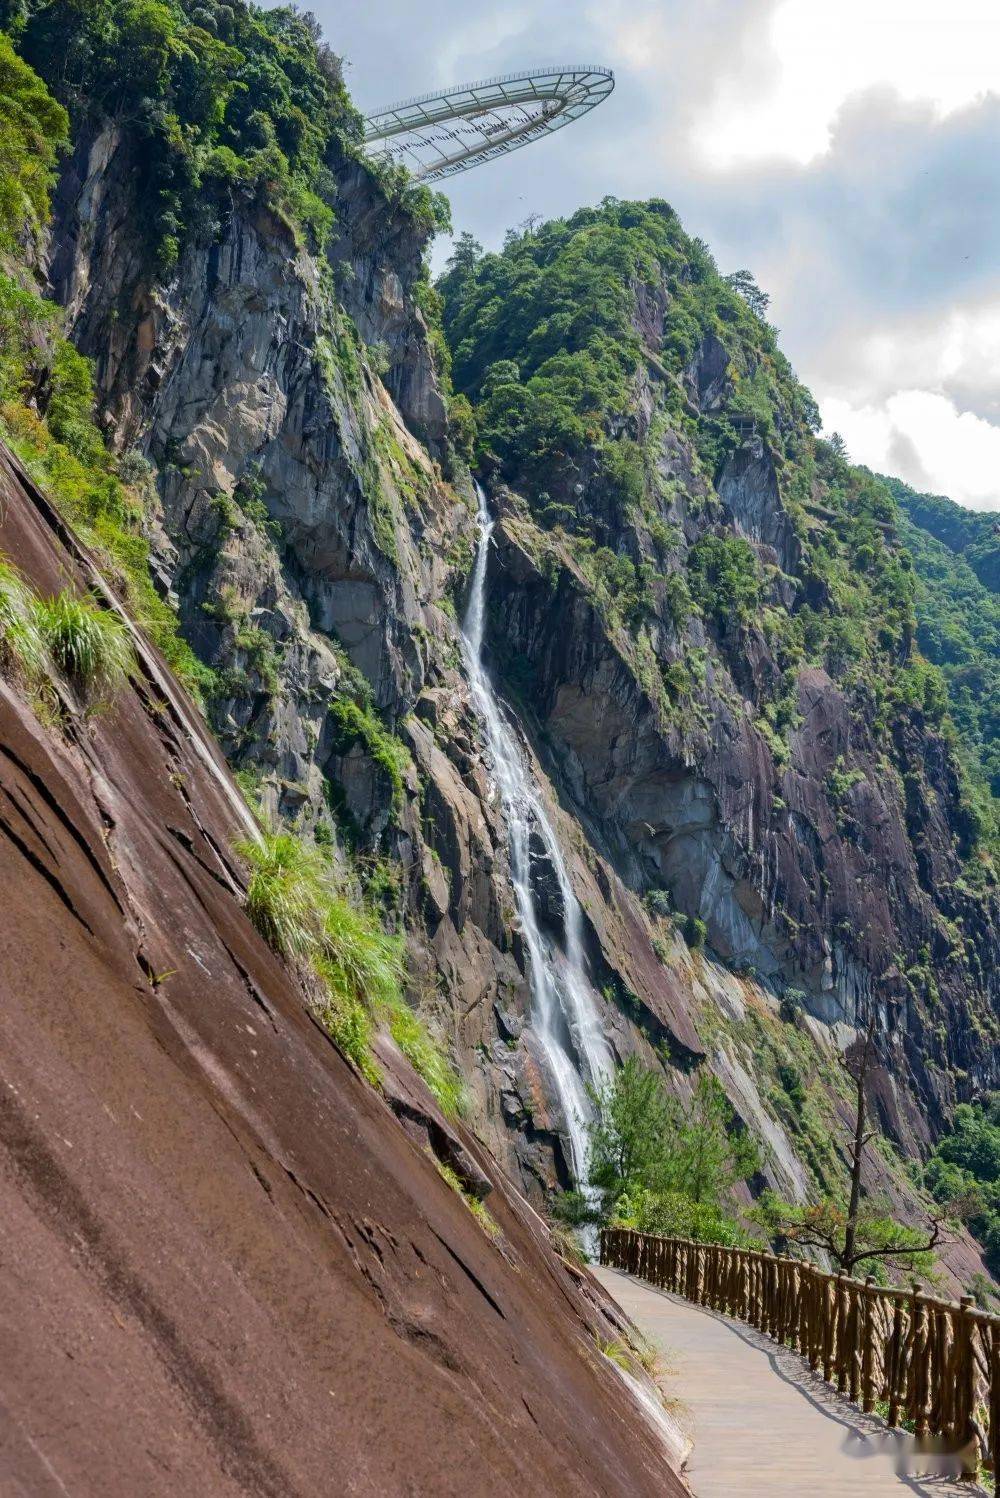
{"points": [[224, 1266]]}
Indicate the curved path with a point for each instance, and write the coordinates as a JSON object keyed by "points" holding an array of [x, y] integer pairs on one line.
{"points": [[763, 1425]]}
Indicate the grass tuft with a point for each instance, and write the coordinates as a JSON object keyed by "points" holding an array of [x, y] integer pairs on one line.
{"points": [[632, 1354], [360, 960], [616, 1351], [294, 902], [349, 1026], [89, 644], [22, 644], [424, 1053], [486, 1220], [567, 1245], [286, 892]]}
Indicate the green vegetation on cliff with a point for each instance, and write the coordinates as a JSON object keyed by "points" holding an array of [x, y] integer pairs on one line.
{"points": [[33, 127], [548, 338], [966, 1164], [974, 535], [301, 909], [46, 387], [956, 555], [217, 96], [665, 1167], [625, 388]]}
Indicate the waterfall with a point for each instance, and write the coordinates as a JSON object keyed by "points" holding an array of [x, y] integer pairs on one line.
{"points": [[564, 1014]]}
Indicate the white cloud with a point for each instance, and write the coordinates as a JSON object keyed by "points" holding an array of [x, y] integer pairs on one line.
{"points": [[921, 436], [955, 353], [849, 155], [824, 54]]}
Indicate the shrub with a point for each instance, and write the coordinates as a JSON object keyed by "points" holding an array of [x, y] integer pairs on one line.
{"points": [[88, 643], [356, 723], [658, 902], [673, 1214], [724, 578], [791, 1083], [695, 931], [793, 1002]]}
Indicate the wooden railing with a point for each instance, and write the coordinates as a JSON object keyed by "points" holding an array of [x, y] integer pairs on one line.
{"points": [[925, 1363]]}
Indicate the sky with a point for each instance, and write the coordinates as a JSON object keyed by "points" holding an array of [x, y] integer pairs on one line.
{"points": [[847, 154]]}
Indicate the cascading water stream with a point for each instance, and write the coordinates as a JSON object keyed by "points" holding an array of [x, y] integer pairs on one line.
{"points": [[564, 1013]]}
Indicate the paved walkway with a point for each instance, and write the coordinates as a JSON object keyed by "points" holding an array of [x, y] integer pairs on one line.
{"points": [[763, 1425]]}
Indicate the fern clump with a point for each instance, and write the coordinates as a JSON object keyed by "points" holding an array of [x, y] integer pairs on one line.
{"points": [[22, 645], [90, 645]]}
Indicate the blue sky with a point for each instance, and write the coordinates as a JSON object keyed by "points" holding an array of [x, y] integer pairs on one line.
{"points": [[848, 155]]}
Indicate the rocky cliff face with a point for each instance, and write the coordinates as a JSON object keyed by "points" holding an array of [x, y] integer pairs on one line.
{"points": [[315, 529], [312, 547], [230, 1265]]}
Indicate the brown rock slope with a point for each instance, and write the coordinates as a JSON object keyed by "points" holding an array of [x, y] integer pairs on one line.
{"points": [[224, 1267]]}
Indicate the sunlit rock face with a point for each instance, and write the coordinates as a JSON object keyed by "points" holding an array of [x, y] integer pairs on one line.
{"points": [[312, 523]]}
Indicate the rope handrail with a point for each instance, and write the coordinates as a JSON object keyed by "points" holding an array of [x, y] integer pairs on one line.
{"points": [[931, 1363]]}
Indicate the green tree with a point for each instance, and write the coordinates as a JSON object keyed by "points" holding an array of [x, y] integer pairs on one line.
{"points": [[630, 1135], [724, 578], [217, 99], [966, 1165], [653, 1155], [743, 283], [709, 1154]]}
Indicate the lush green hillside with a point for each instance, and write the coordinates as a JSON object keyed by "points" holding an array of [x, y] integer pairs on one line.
{"points": [[46, 388], [956, 554], [966, 1163], [577, 324], [547, 343], [972, 534]]}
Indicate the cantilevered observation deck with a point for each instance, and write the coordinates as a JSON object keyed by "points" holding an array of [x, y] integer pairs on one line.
{"points": [[440, 134]]}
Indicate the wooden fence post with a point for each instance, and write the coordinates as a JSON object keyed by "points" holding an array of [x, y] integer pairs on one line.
{"points": [[963, 1381], [918, 1404], [991, 1338], [868, 1391]]}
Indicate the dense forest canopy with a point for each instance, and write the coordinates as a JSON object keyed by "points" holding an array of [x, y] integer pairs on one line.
{"points": [[956, 555], [974, 535]]}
